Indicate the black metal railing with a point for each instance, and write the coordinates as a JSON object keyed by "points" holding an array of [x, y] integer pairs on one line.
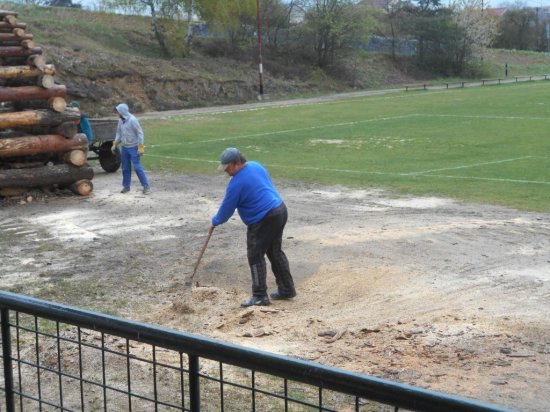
{"points": [[57, 357]]}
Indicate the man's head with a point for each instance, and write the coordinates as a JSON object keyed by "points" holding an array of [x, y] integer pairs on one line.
{"points": [[122, 110], [231, 161]]}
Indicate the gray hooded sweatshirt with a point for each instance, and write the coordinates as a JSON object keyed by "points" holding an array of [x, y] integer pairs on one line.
{"points": [[128, 132]]}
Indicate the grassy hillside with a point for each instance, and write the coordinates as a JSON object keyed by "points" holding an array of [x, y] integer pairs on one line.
{"points": [[105, 58]]}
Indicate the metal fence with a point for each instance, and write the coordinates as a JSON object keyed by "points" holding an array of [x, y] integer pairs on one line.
{"points": [[57, 357]]}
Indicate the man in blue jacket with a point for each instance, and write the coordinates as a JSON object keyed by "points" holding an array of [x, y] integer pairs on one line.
{"points": [[262, 209], [84, 125]]}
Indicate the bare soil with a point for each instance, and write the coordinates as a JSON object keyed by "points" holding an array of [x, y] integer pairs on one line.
{"points": [[431, 292]]}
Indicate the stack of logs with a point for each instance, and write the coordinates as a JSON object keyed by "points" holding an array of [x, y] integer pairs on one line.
{"points": [[39, 143]]}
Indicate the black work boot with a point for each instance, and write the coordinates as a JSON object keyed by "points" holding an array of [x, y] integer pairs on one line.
{"points": [[256, 301], [282, 296]]}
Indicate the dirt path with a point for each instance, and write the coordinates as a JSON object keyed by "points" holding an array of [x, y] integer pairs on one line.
{"points": [[427, 291]]}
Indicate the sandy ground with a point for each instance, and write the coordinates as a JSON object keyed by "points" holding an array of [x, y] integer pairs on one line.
{"points": [[431, 292]]}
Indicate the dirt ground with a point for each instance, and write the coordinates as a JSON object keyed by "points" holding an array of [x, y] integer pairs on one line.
{"points": [[431, 292]]}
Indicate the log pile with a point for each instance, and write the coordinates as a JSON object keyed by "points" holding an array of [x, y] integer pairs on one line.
{"points": [[39, 143]]}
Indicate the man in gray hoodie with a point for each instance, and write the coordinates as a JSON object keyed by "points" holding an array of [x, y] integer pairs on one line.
{"points": [[129, 136]]}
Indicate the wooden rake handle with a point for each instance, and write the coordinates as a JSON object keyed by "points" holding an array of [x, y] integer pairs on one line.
{"points": [[202, 253]]}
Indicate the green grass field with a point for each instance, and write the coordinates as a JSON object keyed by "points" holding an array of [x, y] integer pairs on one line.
{"points": [[486, 144]]}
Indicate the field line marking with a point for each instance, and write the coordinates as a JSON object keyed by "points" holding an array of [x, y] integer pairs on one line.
{"points": [[302, 129], [468, 166], [495, 179], [472, 116], [365, 172]]}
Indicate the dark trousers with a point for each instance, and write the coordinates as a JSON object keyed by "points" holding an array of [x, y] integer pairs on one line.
{"points": [[265, 238]]}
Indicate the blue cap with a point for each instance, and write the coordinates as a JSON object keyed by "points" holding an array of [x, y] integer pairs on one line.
{"points": [[229, 155]]}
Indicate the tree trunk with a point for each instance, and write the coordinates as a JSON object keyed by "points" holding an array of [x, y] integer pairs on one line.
{"points": [[29, 118], [8, 28], [36, 60], [44, 176], [18, 51], [11, 19], [33, 145], [4, 13], [74, 157], [18, 72], [28, 44], [82, 187], [14, 94], [8, 37], [190, 12], [57, 104], [67, 129]]}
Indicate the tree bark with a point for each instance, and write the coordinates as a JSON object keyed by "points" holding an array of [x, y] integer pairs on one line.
{"points": [[25, 71], [67, 129], [18, 51], [29, 118], [44, 176], [28, 44], [14, 36], [74, 157], [10, 18], [26, 165], [36, 60], [14, 94], [4, 13], [82, 187], [33, 145], [8, 28], [57, 104]]}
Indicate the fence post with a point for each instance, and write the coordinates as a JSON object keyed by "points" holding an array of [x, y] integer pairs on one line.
{"points": [[194, 384], [6, 353]]}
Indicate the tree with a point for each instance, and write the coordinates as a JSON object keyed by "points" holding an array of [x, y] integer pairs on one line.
{"points": [[153, 8], [232, 18], [332, 27], [517, 30], [391, 22], [275, 16], [479, 28]]}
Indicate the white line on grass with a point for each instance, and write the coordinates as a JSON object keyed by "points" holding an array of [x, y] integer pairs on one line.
{"points": [[330, 125], [467, 116], [468, 166], [302, 129], [494, 179], [370, 172]]}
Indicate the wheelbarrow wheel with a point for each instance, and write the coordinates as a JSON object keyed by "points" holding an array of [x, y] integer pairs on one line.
{"points": [[109, 161]]}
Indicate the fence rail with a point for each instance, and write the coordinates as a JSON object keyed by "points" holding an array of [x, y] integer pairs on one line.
{"points": [[57, 357], [482, 82]]}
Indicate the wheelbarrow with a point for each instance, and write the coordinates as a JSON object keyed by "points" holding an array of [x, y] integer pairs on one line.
{"points": [[104, 131]]}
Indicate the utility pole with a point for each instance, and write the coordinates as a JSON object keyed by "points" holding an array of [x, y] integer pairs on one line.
{"points": [[261, 68]]}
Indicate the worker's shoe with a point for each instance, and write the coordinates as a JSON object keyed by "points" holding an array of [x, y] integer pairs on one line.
{"points": [[125, 190], [146, 190], [256, 301], [282, 296]]}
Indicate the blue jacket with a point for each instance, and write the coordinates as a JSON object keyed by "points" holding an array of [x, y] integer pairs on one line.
{"points": [[251, 192], [85, 127]]}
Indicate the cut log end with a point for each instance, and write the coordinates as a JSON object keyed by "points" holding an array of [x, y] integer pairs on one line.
{"points": [[75, 157], [82, 187], [46, 81], [57, 104]]}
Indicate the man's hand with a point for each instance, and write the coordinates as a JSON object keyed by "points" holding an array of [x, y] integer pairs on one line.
{"points": [[141, 149], [113, 147]]}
